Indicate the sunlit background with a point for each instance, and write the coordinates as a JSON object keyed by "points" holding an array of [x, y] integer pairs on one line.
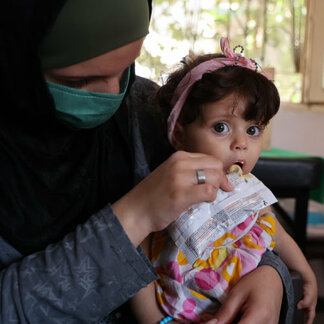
{"points": [[286, 35], [271, 31]]}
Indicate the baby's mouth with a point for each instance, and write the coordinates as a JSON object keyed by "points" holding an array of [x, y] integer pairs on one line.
{"points": [[240, 164], [236, 167]]}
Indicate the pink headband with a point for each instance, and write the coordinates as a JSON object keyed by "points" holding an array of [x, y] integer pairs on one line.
{"points": [[196, 73]]}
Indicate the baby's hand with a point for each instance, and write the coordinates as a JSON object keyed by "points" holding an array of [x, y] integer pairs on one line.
{"points": [[308, 303], [265, 210]]}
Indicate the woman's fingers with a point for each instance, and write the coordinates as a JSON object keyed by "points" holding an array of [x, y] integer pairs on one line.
{"points": [[225, 184], [248, 299], [168, 191], [192, 162], [230, 309], [214, 177]]}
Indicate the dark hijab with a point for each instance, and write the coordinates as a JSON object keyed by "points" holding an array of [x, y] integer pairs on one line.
{"points": [[52, 177]]}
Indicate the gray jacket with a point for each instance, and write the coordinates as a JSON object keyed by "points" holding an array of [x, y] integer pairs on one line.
{"points": [[95, 269]]}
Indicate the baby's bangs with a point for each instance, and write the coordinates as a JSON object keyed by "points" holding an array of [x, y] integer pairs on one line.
{"points": [[260, 94], [262, 98]]}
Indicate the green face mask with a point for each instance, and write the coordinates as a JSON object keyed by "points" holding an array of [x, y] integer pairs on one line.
{"points": [[84, 109]]}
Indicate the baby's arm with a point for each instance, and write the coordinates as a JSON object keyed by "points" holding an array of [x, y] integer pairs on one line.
{"points": [[294, 258], [145, 307], [144, 303]]}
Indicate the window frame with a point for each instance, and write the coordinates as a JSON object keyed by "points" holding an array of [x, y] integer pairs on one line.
{"points": [[313, 59]]}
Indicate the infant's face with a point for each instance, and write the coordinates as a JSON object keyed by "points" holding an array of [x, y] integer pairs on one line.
{"points": [[221, 131]]}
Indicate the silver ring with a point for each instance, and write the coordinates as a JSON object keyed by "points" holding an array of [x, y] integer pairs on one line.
{"points": [[201, 177]]}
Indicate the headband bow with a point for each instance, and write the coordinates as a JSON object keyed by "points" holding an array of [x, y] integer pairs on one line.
{"points": [[182, 91]]}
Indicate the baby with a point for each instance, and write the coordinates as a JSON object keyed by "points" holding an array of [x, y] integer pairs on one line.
{"points": [[218, 104]]}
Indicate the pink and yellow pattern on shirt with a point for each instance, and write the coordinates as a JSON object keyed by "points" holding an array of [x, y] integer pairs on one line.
{"points": [[190, 293]]}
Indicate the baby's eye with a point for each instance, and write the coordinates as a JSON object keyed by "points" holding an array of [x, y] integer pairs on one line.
{"points": [[253, 130], [221, 128]]}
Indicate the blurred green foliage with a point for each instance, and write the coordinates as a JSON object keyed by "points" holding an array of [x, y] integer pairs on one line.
{"points": [[271, 31]]}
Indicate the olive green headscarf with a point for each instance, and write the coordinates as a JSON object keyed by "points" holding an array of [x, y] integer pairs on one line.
{"points": [[85, 29]]}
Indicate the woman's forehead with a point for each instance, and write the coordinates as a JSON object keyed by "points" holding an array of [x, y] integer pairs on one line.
{"points": [[110, 63]]}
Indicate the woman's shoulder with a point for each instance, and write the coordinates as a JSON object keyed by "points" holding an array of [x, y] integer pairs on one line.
{"points": [[143, 92], [141, 105], [8, 253], [145, 114]]}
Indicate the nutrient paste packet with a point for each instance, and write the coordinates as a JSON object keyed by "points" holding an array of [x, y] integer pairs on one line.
{"points": [[202, 224]]}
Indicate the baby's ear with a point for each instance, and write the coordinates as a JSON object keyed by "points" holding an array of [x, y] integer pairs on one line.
{"points": [[178, 137]]}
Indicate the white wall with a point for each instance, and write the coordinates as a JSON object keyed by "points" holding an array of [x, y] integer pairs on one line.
{"points": [[300, 131]]}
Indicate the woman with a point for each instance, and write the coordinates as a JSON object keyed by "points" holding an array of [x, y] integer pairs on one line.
{"points": [[75, 139]]}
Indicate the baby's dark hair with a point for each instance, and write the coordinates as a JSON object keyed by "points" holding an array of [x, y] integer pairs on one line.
{"points": [[260, 94]]}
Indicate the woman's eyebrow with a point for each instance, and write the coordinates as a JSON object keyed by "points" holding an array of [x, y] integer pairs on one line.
{"points": [[78, 77], [84, 75]]}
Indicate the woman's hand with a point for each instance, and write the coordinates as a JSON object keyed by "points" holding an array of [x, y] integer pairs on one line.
{"points": [[256, 297], [168, 191]]}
